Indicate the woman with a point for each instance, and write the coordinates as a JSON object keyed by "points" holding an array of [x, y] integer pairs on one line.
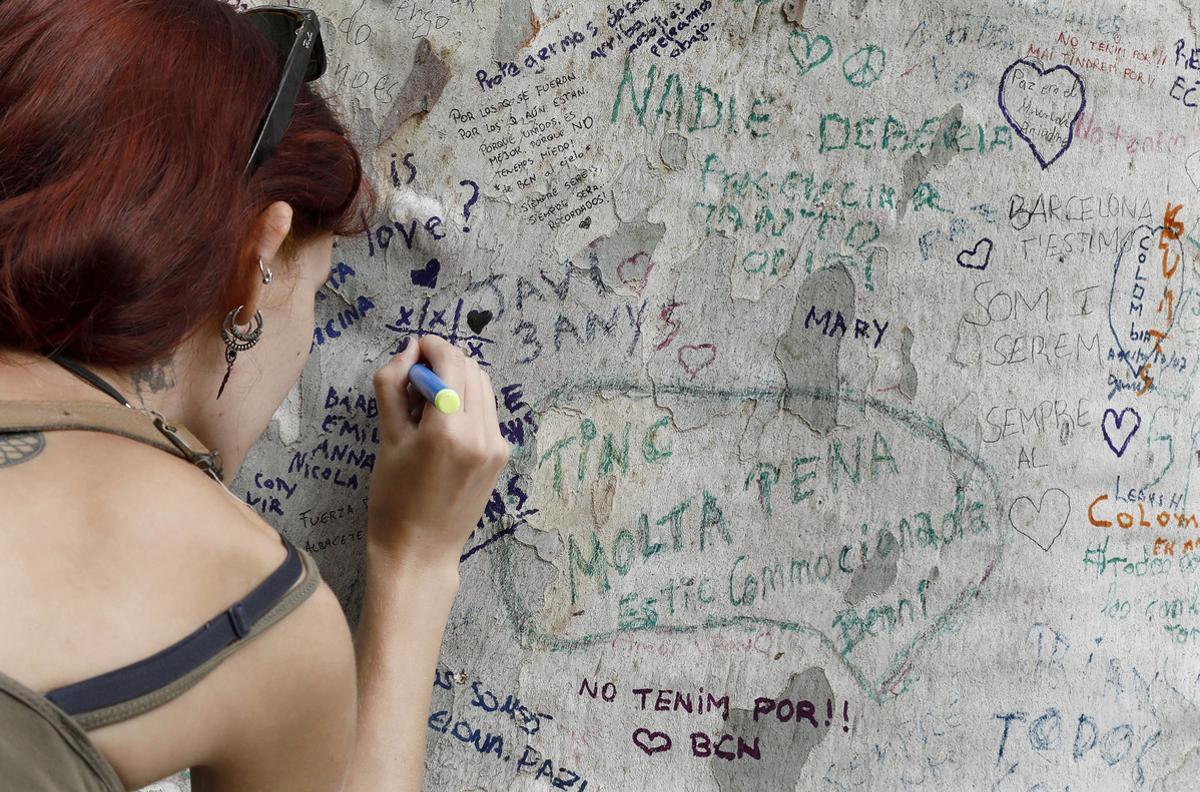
{"points": [[162, 240]]}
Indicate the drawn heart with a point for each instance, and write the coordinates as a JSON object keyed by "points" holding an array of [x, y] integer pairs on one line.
{"points": [[586, 223], [651, 742], [968, 258], [695, 357], [878, 672], [1044, 522], [1138, 315], [427, 276], [634, 271], [1042, 106], [1191, 167], [808, 62], [1116, 432], [477, 320]]}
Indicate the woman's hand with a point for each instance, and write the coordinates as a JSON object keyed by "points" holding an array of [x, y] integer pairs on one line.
{"points": [[434, 472]]}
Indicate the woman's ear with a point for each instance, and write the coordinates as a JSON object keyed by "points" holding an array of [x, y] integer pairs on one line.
{"points": [[270, 230]]}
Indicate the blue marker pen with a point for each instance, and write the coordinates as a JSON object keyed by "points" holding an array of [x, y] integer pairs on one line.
{"points": [[430, 386]]}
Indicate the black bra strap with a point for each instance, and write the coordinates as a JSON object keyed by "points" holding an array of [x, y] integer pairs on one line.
{"points": [[88, 376], [187, 654]]}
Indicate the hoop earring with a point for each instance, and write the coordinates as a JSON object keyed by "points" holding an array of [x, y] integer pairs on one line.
{"points": [[238, 341], [266, 273]]}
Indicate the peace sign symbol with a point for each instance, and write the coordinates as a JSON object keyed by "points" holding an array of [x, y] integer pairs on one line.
{"points": [[864, 67]]}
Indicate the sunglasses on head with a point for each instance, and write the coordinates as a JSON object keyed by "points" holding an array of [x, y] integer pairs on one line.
{"points": [[296, 34]]}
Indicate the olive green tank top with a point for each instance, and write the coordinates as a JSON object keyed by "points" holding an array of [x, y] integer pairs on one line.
{"points": [[44, 746]]}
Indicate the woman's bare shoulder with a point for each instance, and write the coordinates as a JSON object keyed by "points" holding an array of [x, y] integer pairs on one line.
{"points": [[138, 549]]}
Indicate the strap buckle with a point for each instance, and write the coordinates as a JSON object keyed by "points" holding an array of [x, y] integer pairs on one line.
{"points": [[237, 619], [209, 462]]}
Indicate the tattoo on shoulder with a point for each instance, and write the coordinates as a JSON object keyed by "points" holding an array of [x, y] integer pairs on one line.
{"points": [[154, 378], [18, 447]]}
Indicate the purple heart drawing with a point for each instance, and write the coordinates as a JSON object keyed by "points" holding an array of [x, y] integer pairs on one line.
{"points": [[967, 258], [651, 741], [427, 276], [1042, 106], [1117, 433]]}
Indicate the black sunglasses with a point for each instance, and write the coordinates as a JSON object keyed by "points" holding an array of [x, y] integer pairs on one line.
{"points": [[296, 33]]}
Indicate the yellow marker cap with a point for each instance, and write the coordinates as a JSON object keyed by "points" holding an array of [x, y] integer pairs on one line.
{"points": [[447, 401]]}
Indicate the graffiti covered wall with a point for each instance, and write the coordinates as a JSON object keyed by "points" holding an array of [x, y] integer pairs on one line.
{"points": [[846, 349]]}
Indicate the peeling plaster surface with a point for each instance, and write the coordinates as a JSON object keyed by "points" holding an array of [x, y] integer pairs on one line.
{"points": [[421, 90], [820, 334], [787, 747], [674, 150]]}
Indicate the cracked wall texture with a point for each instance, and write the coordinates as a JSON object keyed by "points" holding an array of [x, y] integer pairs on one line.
{"points": [[847, 352]]}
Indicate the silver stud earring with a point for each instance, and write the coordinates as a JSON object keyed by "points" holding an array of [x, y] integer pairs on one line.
{"points": [[266, 271], [237, 340]]}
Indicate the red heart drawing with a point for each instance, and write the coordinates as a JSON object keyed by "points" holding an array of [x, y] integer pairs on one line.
{"points": [[634, 271], [701, 355], [651, 742]]}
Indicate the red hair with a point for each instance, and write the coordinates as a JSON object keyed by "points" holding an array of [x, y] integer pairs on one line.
{"points": [[125, 126]]}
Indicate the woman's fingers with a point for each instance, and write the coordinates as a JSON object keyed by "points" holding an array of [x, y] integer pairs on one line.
{"points": [[391, 393], [491, 423], [495, 440], [428, 491], [416, 404], [472, 400], [449, 364], [398, 397], [446, 361]]}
